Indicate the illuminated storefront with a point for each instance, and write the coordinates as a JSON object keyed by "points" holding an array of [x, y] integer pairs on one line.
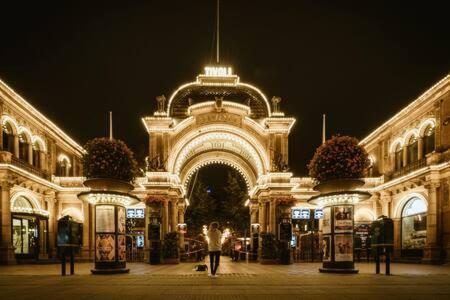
{"points": [[414, 227]]}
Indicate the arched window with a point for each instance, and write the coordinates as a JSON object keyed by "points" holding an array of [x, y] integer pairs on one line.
{"points": [[37, 155], [414, 226], [398, 157], [23, 147], [412, 150], [8, 138], [428, 140], [63, 166]]}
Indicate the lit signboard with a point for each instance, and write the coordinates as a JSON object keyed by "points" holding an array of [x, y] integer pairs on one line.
{"points": [[218, 71], [137, 213], [300, 213], [318, 213]]}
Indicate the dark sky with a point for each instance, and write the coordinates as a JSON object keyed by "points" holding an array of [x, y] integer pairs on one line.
{"points": [[357, 61]]}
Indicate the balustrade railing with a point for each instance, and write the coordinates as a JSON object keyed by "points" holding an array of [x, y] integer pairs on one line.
{"points": [[30, 168], [412, 166]]}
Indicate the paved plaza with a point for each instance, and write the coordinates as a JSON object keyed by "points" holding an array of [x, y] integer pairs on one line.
{"points": [[236, 281]]}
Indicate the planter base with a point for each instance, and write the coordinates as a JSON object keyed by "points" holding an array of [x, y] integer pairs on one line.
{"points": [[110, 271], [338, 271]]}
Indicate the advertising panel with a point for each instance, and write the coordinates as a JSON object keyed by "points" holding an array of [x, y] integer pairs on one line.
{"points": [[122, 248], [343, 218], [105, 247], [326, 248], [299, 213], [121, 219], [343, 247], [104, 221], [326, 221]]}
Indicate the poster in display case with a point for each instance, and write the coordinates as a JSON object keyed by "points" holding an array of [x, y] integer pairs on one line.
{"points": [[326, 221], [343, 247], [326, 248], [121, 219], [122, 247], [105, 247], [104, 220], [343, 219]]}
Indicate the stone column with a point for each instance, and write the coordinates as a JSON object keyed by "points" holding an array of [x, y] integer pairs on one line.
{"points": [[405, 155], [42, 164], [253, 213], [420, 148], [51, 200], [262, 216], [272, 217], [385, 200], [181, 220], [16, 145], [165, 217], [92, 230], [375, 200], [397, 238], [30, 154], [7, 256], [432, 249], [146, 241], [174, 213]]}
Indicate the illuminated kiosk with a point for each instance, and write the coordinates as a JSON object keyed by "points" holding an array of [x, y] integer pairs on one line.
{"points": [[218, 119], [337, 229], [110, 229]]}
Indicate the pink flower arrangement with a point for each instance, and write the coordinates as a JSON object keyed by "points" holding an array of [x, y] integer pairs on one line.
{"points": [[340, 157], [107, 158]]}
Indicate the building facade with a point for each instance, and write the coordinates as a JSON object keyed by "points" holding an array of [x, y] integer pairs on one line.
{"points": [[217, 119]]}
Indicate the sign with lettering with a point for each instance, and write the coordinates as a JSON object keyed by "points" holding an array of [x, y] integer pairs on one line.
{"points": [[218, 71]]}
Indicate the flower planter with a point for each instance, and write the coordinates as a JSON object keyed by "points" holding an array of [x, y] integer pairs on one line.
{"points": [[339, 185], [108, 185]]}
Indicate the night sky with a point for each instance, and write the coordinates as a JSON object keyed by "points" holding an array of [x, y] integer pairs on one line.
{"points": [[357, 62]]}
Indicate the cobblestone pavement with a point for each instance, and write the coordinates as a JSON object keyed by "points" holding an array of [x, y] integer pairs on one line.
{"points": [[236, 281]]}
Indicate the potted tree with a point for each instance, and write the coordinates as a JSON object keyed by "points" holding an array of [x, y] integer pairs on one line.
{"points": [[170, 250], [269, 249], [338, 167], [109, 165], [339, 164], [109, 168]]}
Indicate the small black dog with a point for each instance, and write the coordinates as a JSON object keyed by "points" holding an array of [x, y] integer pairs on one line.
{"points": [[201, 268]]}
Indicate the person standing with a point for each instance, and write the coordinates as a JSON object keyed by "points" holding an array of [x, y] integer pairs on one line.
{"points": [[214, 247]]}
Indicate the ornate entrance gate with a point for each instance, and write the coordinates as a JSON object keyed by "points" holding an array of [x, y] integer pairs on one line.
{"points": [[217, 119]]}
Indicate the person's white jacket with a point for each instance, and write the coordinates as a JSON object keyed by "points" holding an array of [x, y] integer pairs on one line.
{"points": [[214, 236]]}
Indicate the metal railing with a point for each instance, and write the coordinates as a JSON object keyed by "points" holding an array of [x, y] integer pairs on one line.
{"points": [[412, 166], [29, 168]]}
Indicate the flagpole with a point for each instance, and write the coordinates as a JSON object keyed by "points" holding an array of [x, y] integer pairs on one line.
{"points": [[110, 126], [323, 128]]}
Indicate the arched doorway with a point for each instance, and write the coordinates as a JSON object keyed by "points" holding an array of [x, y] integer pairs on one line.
{"points": [[29, 228], [217, 120], [414, 227], [217, 193]]}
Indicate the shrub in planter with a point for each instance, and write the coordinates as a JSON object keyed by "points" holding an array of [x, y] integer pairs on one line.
{"points": [[111, 159], [170, 249], [340, 157], [269, 249]]}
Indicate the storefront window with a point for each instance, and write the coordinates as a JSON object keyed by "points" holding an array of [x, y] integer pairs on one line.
{"points": [[25, 234], [414, 224]]}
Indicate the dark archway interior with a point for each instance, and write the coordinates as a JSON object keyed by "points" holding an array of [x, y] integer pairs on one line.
{"points": [[217, 194]]}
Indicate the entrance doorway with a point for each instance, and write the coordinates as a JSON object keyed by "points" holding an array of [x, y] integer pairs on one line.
{"points": [[217, 193]]}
